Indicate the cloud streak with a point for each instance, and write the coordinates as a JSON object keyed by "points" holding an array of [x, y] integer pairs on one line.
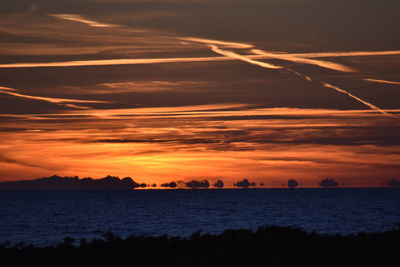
{"points": [[139, 61], [152, 86], [59, 101], [110, 62], [348, 54], [79, 18], [7, 88], [381, 81]]}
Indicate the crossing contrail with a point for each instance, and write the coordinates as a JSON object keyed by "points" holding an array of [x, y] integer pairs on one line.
{"points": [[217, 42], [234, 55], [317, 62], [138, 61]]}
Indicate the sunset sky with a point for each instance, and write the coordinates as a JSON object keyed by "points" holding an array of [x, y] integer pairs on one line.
{"points": [[167, 90]]}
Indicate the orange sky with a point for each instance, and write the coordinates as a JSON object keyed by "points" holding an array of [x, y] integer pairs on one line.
{"points": [[113, 92]]}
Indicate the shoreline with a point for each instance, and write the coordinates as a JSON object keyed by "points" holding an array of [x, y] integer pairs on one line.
{"points": [[199, 189]]}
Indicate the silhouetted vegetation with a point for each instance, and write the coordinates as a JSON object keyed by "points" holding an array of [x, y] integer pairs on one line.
{"points": [[219, 184], [328, 183], [266, 246], [244, 183], [292, 183], [198, 184], [72, 183], [394, 183]]}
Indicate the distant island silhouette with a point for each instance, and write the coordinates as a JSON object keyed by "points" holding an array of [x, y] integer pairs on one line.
{"points": [[328, 183], [55, 182], [292, 183], [393, 183], [244, 183]]}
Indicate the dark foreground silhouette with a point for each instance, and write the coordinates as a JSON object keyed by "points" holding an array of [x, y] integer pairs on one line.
{"points": [[266, 246]]}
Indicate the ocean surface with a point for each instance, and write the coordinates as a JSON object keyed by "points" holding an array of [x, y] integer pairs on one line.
{"points": [[45, 218]]}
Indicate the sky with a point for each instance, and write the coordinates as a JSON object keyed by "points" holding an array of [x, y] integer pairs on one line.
{"points": [[169, 90]]}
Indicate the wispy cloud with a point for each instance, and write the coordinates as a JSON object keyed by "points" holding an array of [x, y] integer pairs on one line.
{"points": [[152, 86], [61, 49], [217, 112], [79, 18], [381, 81], [6, 159], [114, 113], [59, 101]]}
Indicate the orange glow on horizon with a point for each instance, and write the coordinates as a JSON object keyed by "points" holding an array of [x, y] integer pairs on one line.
{"points": [[152, 154]]}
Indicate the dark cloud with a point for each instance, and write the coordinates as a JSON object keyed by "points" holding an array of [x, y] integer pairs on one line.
{"points": [[7, 159], [319, 135]]}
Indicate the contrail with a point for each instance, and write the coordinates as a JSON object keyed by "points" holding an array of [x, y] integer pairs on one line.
{"points": [[111, 62], [228, 53], [331, 86], [381, 81], [348, 54], [231, 54], [218, 42], [137, 61], [320, 63], [356, 98], [7, 88], [297, 55], [79, 18]]}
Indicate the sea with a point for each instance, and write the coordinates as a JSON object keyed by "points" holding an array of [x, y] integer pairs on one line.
{"points": [[46, 218]]}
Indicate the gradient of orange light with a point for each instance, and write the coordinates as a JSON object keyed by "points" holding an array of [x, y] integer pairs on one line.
{"points": [[52, 152]]}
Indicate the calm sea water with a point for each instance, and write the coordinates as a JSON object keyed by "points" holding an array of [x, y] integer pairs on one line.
{"points": [[47, 217]]}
